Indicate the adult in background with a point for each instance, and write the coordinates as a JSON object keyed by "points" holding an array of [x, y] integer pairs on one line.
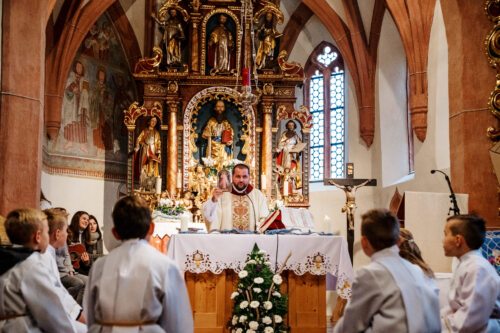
{"points": [[242, 208]]}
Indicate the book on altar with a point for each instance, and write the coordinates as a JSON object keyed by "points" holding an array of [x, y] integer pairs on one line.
{"points": [[226, 136], [272, 222], [298, 147]]}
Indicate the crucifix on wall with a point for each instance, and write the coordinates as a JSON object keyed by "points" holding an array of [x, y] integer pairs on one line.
{"points": [[349, 185]]}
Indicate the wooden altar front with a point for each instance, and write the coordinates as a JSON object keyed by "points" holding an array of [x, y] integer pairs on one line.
{"points": [[210, 274], [210, 296]]}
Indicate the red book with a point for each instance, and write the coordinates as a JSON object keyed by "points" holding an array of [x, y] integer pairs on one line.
{"points": [[227, 136], [272, 222]]}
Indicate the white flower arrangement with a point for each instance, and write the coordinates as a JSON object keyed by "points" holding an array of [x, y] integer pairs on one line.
{"points": [[258, 280], [208, 161], [258, 304], [254, 304], [268, 305], [235, 320], [253, 325]]}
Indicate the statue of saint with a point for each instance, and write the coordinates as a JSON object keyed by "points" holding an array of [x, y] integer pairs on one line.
{"points": [[148, 146], [219, 134], [221, 43], [287, 158], [173, 34], [266, 34]]}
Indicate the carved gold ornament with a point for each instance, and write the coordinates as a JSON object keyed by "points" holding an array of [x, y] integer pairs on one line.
{"points": [[492, 46]]}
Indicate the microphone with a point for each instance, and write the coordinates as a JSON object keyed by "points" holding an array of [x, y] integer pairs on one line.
{"points": [[453, 198]]}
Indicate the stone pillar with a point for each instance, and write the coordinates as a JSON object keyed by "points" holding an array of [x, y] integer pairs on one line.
{"points": [[266, 156], [21, 114], [471, 81], [172, 108]]}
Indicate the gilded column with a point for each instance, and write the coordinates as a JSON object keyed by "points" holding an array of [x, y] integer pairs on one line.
{"points": [[172, 105], [195, 53], [267, 145]]}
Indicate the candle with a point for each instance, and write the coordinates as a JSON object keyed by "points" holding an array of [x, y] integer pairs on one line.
{"points": [[263, 182], [158, 185], [179, 180], [285, 188], [245, 73], [185, 218]]}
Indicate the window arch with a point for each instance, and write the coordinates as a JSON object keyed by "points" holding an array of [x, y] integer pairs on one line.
{"points": [[325, 95]]}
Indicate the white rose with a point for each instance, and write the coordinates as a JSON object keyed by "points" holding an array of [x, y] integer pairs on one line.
{"points": [[254, 304], [277, 319], [268, 329], [243, 319], [251, 261], [243, 304], [234, 295], [257, 290], [277, 279], [262, 252], [268, 263], [258, 280], [276, 294], [267, 320], [250, 331], [253, 325], [243, 274], [268, 305], [239, 330], [235, 320]]}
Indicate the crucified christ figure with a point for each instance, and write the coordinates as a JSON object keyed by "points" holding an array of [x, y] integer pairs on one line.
{"points": [[350, 200]]}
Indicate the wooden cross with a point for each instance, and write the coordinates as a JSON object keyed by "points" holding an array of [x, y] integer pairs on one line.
{"points": [[349, 186]]}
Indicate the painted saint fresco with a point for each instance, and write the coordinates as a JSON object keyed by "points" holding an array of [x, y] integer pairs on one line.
{"points": [[99, 87]]}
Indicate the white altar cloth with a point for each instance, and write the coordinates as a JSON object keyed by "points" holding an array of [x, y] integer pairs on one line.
{"points": [[314, 254]]}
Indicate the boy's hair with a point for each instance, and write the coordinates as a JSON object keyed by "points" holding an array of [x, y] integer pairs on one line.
{"points": [[131, 218], [21, 224], [56, 219], [381, 228], [471, 227]]}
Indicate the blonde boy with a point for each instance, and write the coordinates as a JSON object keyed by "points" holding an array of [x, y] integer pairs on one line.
{"points": [[28, 301]]}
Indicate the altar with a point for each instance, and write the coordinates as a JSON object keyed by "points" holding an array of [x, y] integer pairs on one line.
{"points": [[211, 263]]}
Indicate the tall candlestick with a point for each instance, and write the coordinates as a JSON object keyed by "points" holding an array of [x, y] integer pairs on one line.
{"points": [[263, 182], [158, 185], [179, 180], [285, 188], [245, 73]]}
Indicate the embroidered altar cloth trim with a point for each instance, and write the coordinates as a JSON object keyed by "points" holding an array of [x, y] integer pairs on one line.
{"points": [[314, 254]]}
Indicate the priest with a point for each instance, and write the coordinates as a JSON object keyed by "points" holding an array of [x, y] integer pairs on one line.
{"points": [[241, 208]]}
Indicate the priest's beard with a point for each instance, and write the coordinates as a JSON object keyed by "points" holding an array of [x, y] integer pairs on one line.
{"points": [[240, 188]]}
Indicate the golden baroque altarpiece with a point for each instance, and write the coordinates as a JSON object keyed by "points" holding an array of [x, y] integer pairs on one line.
{"points": [[221, 93]]}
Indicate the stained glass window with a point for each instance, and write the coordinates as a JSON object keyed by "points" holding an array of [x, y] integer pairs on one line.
{"points": [[325, 90]]}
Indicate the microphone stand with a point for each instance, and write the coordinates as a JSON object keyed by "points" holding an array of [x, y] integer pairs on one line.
{"points": [[453, 198]]}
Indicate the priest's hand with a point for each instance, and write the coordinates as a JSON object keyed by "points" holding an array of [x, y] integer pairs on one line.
{"points": [[216, 194]]}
